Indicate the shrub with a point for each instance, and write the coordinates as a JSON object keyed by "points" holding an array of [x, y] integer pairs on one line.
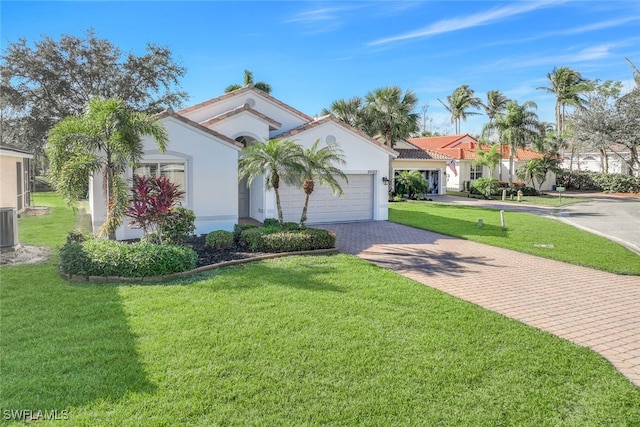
{"points": [[98, 257], [487, 187], [239, 228], [291, 226], [594, 181], [269, 229], [219, 239], [152, 238], [151, 204], [302, 240], [180, 225], [251, 239], [77, 236], [268, 222]]}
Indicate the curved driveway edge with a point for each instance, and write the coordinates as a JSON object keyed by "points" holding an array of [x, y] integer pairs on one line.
{"points": [[587, 307]]}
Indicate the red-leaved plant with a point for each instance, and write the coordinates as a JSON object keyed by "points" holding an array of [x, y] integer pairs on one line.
{"points": [[152, 201]]}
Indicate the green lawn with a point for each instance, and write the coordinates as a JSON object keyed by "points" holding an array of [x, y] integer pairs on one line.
{"points": [[532, 234], [322, 340], [553, 200]]}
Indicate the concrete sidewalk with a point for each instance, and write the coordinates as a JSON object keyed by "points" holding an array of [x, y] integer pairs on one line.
{"points": [[587, 307]]}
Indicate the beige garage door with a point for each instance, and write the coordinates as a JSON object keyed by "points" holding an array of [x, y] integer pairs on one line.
{"points": [[356, 204]]}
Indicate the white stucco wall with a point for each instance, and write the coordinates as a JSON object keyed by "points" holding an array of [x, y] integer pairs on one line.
{"points": [[243, 124], [211, 176], [287, 118], [361, 156]]}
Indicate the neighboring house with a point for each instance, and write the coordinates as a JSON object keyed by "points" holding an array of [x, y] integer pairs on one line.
{"points": [[205, 144], [592, 160], [463, 148], [14, 177], [432, 165]]}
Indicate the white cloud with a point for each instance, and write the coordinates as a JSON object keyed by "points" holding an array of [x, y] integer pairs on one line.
{"points": [[470, 21]]}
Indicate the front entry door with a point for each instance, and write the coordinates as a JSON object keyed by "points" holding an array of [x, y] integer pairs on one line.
{"points": [[243, 199]]}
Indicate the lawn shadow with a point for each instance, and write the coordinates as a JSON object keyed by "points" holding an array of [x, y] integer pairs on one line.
{"points": [[65, 345]]}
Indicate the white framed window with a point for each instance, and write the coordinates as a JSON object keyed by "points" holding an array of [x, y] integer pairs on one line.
{"points": [[174, 171], [476, 172]]}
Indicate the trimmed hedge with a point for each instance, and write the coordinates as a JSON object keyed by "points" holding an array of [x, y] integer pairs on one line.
{"points": [[219, 239], [595, 181], [98, 257], [239, 228], [302, 240], [270, 240]]}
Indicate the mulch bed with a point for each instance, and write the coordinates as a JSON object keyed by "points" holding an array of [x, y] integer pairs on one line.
{"points": [[209, 256]]}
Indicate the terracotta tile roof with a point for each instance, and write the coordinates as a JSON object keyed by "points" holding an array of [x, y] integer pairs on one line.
{"points": [[330, 118], [273, 125], [419, 154], [456, 147], [249, 88], [173, 114], [446, 141], [521, 154]]}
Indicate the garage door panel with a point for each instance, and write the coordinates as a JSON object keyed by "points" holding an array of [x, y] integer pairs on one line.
{"points": [[356, 204]]}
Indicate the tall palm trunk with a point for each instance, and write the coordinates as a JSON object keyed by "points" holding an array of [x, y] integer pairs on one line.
{"points": [[275, 180], [308, 188]]}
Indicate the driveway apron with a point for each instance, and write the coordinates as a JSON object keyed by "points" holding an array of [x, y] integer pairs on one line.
{"points": [[587, 307]]}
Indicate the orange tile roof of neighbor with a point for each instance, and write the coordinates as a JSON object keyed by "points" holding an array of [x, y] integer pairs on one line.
{"points": [[464, 147]]}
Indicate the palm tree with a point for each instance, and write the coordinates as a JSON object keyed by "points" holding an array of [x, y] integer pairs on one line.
{"points": [[537, 169], [490, 158], [567, 85], [319, 166], [518, 126], [350, 111], [389, 114], [248, 80], [106, 137], [411, 182], [496, 103], [459, 103], [279, 160]]}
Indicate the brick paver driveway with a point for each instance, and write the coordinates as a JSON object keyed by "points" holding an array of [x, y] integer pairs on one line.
{"points": [[588, 307]]}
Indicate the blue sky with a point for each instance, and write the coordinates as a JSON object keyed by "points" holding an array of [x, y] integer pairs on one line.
{"points": [[313, 53]]}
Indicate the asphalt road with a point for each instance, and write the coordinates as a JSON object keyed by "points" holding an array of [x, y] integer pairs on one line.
{"points": [[615, 218]]}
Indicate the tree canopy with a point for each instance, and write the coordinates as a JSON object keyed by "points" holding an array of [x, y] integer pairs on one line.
{"points": [[518, 126], [107, 139], [459, 103], [45, 82]]}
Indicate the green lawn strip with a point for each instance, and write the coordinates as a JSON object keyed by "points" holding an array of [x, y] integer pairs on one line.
{"points": [[552, 199], [50, 229], [293, 341], [527, 233]]}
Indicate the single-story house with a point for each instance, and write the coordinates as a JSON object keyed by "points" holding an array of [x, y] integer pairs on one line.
{"points": [[205, 144], [462, 149], [590, 160], [14, 177], [431, 164]]}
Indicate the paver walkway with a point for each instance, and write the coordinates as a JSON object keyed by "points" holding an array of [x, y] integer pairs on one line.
{"points": [[587, 307]]}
